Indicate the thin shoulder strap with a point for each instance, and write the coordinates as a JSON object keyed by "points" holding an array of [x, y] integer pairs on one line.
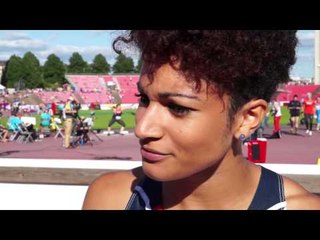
{"points": [[270, 192], [134, 202], [146, 194]]}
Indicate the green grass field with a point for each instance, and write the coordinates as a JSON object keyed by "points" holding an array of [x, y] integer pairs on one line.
{"points": [[102, 119], [284, 118], [104, 116]]}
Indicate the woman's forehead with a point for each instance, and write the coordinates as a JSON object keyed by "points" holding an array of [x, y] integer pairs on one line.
{"points": [[167, 78]]}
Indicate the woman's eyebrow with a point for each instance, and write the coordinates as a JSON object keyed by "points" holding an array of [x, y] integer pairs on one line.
{"points": [[171, 94]]}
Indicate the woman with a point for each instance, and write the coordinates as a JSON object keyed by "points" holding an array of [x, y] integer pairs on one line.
{"points": [[201, 94], [45, 120], [309, 110], [116, 117], [276, 113]]}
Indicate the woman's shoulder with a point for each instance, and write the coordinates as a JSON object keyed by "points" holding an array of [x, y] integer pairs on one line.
{"points": [[111, 191], [298, 198]]}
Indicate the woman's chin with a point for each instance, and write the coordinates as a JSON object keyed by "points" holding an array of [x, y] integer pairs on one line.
{"points": [[152, 171], [158, 173]]}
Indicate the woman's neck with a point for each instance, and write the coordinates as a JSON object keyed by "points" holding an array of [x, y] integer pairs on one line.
{"points": [[231, 185]]}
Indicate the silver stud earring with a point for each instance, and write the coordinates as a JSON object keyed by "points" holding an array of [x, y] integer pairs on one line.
{"points": [[242, 137]]}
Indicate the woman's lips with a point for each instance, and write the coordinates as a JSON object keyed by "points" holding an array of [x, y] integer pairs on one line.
{"points": [[152, 156]]}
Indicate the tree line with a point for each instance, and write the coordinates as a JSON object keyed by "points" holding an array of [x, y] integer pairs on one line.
{"points": [[26, 72]]}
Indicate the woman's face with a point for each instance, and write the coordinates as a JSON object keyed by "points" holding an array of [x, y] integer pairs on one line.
{"points": [[309, 96], [181, 131]]}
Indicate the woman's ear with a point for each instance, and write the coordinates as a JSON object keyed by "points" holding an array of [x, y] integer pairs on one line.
{"points": [[249, 117]]}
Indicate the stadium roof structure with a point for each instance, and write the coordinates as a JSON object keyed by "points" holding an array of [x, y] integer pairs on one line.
{"points": [[280, 90]]}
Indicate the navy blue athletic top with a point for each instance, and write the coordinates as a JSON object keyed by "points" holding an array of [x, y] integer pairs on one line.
{"points": [[269, 194]]}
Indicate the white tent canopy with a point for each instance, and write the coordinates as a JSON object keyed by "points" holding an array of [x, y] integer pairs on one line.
{"points": [[2, 87]]}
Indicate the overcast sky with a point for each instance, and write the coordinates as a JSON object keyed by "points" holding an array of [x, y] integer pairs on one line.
{"points": [[92, 42]]}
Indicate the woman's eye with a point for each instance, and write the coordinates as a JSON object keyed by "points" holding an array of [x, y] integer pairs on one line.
{"points": [[178, 110], [143, 99]]}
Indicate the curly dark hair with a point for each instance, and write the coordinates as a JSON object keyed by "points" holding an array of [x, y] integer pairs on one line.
{"points": [[244, 64]]}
